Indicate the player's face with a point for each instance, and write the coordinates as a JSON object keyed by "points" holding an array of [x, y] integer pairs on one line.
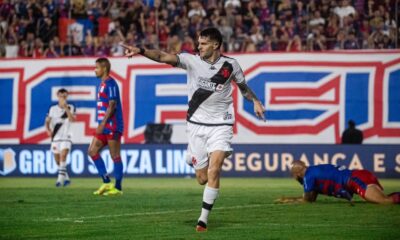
{"points": [[62, 96], [206, 47], [99, 70]]}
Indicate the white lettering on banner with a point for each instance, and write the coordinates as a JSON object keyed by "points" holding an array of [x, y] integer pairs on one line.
{"points": [[318, 160], [304, 159], [25, 162], [92, 168], [133, 156], [105, 155], [170, 161], [240, 162], [77, 161], [274, 166], [145, 162], [287, 160], [355, 163], [255, 164], [379, 159], [160, 169], [228, 165], [51, 165], [397, 168], [38, 162], [336, 157]]}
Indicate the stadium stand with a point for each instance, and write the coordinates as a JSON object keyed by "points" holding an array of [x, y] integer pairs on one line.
{"points": [[56, 28]]}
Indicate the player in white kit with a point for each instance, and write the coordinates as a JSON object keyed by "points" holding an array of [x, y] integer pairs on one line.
{"points": [[57, 125], [210, 116]]}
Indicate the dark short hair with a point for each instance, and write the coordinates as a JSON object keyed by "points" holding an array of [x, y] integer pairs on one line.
{"points": [[351, 123], [62, 90], [104, 63], [213, 34]]}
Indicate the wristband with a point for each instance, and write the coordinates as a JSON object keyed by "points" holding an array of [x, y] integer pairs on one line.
{"points": [[141, 52]]}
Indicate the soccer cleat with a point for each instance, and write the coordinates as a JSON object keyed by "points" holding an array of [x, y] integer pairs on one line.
{"points": [[113, 192], [58, 184], [67, 182], [201, 227], [103, 188]]}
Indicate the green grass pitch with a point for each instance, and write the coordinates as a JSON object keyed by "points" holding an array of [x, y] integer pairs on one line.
{"points": [[167, 208]]}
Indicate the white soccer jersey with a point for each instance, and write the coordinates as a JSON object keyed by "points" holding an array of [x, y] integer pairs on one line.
{"points": [[59, 123], [210, 89]]}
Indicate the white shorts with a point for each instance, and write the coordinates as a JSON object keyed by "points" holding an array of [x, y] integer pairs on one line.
{"points": [[203, 140], [58, 146]]}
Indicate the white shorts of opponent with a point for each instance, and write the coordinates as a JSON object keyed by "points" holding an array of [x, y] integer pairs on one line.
{"points": [[203, 140], [58, 146]]}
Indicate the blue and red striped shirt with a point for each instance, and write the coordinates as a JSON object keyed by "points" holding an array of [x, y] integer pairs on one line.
{"points": [[326, 179], [108, 91]]}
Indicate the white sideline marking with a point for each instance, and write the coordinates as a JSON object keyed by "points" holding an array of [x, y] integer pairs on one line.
{"points": [[80, 219]]}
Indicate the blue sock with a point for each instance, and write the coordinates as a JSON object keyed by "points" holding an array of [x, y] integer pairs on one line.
{"points": [[118, 172], [101, 168]]}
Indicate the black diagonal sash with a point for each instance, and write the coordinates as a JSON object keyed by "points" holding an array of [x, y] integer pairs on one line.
{"points": [[56, 128], [200, 95]]}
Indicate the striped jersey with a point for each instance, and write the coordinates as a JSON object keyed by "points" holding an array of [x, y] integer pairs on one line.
{"points": [[59, 122], [326, 179], [210, 89], [108, 91]]}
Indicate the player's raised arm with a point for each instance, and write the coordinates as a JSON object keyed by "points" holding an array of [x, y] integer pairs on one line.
{"points": [[153, 54]]}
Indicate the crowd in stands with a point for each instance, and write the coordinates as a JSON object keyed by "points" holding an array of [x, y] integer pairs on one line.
{"points": [[55, 28]]}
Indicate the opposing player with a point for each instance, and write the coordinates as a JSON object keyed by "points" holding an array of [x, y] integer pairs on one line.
{"points": [[109, 130], [338, 182], [57, 125], [210, 116]]}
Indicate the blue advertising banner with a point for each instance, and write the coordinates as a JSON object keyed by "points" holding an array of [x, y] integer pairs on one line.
{"points": [[248, 160]]}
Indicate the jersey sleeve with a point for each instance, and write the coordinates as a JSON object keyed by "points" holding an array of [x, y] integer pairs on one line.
{"points": [[50, 112], [112, 91], [309, 183], [184, 60], [238, 73]]}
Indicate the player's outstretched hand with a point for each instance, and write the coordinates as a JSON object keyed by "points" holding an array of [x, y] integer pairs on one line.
{"points": [[259, 110], [130, 51], [289, 200]]}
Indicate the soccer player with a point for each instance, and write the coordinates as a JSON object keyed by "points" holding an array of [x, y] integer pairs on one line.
{"points": [[57, 125], [210, 116], [339, 182], [109, 130]]}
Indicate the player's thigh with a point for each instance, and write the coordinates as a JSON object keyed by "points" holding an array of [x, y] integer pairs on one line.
{"points": [[219, 143], [95, 146], [197, 151], [375, 194], [114, 144], [217, 158], [65, 147]]}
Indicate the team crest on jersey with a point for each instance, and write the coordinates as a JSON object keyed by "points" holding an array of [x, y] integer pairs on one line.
{"points": [[225, 72]]}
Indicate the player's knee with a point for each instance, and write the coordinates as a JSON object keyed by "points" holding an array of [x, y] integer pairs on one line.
{"points": [[202, 180], [91, 152]]}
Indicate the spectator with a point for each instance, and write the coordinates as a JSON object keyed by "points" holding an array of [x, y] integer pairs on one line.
{"points": [[351, 42], [352, 135], [344, 10]]}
